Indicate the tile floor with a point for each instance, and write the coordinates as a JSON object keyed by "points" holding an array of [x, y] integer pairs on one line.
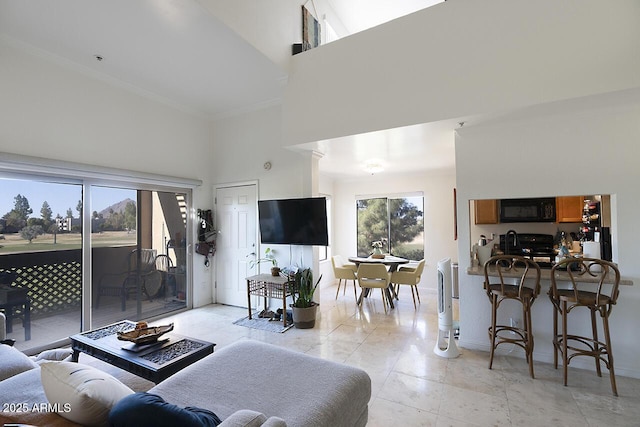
{"points": [[411, 386]]}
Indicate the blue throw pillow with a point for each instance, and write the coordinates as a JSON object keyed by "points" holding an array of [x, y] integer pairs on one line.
{"points": [[150, 410]]}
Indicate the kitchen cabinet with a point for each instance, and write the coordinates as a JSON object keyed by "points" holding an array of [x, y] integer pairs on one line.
{"points": [[569, 209], [486, 211]]}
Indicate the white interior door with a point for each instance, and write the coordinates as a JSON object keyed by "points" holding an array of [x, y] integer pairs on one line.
{"points": [[236, 242]]}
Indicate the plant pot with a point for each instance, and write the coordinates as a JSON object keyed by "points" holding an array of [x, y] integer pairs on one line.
{"points": [[304, 318], [275, 271], [377, 254]]}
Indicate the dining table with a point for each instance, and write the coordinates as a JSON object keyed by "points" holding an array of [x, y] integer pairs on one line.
{"points": [[389, 260]]}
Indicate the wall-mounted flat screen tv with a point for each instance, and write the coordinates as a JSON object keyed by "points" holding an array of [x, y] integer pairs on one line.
{"points": [[294, 221]]}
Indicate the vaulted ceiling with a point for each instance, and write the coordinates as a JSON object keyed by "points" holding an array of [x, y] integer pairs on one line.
{"points": [[179, 53]]}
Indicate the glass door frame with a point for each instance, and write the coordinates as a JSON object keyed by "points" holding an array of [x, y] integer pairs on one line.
{"points": [[48, 170], [86, 242]]}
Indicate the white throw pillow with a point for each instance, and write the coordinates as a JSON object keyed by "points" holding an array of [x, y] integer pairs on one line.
{"points": [[81, 393], [13, 362]]}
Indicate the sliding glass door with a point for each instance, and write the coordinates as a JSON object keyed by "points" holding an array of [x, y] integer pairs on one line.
{"points": [[41, 267], [137, 258], [138, 253]]}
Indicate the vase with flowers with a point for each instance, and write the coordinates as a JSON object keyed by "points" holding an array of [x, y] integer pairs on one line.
{"points": [[377, 249]]}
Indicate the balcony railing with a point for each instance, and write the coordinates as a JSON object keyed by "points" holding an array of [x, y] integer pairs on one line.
{"points": [[53, 279]]}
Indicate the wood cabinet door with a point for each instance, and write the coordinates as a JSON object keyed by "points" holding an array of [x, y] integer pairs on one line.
{"points": [[486, 211], [569, 209]]}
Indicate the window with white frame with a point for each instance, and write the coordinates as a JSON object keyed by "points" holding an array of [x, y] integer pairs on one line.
{"points": [[395, 224]]}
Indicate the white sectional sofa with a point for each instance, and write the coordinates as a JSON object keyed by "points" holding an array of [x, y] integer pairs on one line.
{"points": [[244, 383]]}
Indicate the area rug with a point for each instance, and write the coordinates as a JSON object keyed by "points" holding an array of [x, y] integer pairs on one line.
{"points": [[263, 324]]}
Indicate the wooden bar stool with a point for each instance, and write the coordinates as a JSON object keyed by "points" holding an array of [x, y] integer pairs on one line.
{"points": [[525, 288], [594, 285]]}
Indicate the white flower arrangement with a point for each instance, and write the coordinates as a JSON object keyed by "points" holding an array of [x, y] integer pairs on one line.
{"points": [[378, 246]]}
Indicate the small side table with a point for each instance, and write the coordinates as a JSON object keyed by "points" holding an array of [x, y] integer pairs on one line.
{"points": [[268, 286]]}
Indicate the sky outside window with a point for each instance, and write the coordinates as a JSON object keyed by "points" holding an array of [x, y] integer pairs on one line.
{"points": [[60, 197]]}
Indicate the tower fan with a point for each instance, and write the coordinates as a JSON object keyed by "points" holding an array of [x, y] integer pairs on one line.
{"points": [[446, 343]]}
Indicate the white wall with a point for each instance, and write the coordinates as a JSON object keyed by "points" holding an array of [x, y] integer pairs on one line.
{"points": [[52, 111], [460, 58], [576, 151], [272, 26], [242, 145], [326, 188], [246, 142], [437, 188]]}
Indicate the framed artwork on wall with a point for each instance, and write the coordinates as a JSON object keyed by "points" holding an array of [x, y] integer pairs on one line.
{"points": [[310, 30]]}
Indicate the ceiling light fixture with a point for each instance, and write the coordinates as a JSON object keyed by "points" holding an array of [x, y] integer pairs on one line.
{"points": [[373, 166]]}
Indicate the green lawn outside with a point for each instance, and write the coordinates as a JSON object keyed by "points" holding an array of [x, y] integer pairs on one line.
{"points": [[14, 243], [411, 246], [414, 251]]}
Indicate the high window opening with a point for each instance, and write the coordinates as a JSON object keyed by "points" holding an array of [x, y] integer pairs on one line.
{"points": [[330, 34], [394, 224]]}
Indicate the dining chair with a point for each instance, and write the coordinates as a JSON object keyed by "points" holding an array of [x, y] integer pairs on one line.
{"points": [[408, 276], [345, 272], [371, 276], [515, 278], [594, 285]]}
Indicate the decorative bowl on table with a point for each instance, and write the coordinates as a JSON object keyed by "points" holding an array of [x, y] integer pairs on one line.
{"points": [[378, 256], [143, 334]]}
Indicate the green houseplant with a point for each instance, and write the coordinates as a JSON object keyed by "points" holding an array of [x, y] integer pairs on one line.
{"points": [[303, 307], [269, 256]]}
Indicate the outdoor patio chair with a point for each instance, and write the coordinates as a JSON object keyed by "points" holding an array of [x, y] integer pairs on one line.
{"points": [[14, 303], [126, 283], [156, 281], [3, 332]]}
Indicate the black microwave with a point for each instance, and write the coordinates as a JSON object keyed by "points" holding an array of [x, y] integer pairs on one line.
{"points": [[528, 210]]}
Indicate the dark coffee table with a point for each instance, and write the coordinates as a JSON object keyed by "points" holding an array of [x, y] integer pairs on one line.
{"points": [[154, 362]]}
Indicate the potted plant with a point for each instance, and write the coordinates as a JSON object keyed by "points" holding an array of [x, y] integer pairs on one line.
{"points": [[269, 256], [303, 307]]}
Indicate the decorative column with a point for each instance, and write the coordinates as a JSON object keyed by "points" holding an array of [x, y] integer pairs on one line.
{"points": [[310, 188]]}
